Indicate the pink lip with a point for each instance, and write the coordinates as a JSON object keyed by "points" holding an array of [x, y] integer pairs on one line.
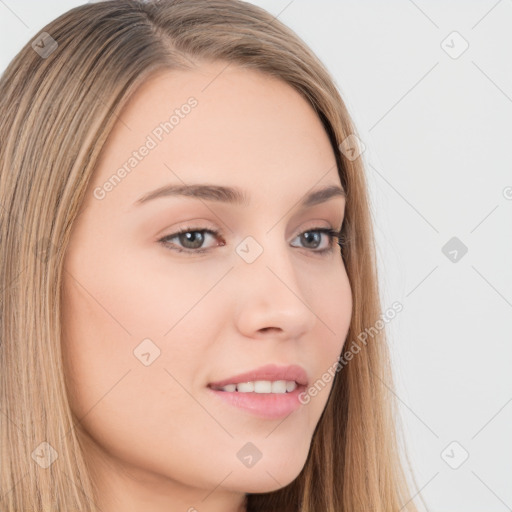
{"points": [[267, 372], [265, 405]]}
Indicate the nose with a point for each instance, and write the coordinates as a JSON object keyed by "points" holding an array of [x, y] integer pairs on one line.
{"points": [[270, 298]]}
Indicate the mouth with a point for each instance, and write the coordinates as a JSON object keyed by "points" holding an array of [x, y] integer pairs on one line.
{"points": [[270, 378], [269, 392]]}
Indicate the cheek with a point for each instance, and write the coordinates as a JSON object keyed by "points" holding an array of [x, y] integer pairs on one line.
{"points": [[331, 302], [333, 308], [135, 409], [141, 413], [122, 327]]}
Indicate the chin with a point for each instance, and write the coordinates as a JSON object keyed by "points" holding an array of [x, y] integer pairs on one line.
{"points": [[265, 479]]}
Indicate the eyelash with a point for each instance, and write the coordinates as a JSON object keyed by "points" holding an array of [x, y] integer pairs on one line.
{"points": [[332, 233]]}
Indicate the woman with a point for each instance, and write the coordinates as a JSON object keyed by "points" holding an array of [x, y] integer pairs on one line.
{"points": [[187, 263]]}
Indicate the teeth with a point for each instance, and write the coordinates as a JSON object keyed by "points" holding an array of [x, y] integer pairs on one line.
{"points": [[262, 386], [279, 386], [290, 385], [245, 387]]}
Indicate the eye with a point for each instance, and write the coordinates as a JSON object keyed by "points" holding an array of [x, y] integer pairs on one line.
{"points": [[314, 237], [192, 239]]}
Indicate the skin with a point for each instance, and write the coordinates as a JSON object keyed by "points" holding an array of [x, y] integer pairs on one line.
{"points": [[156, 439]]}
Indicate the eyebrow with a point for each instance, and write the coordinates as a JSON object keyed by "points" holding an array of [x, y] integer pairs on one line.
{"points": [[233, 195]]}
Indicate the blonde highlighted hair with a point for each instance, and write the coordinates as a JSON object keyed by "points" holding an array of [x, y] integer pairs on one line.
{"points": [[59, 99]]}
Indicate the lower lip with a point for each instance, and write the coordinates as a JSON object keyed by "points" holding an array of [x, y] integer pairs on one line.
{"points": [[264, 405]]}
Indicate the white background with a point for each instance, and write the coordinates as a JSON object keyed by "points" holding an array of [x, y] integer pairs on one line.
{"points": [[438, 134]]}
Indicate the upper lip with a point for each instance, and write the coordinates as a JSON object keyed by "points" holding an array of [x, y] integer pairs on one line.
{"points": [[268, 372]]}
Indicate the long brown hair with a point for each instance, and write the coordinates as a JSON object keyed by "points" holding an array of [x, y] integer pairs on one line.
{"points": [[59, 99]]}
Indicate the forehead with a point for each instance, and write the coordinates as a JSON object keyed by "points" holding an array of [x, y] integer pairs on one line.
{"points": [[219, 124]]}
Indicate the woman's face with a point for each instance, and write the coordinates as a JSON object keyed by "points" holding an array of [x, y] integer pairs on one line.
{"points": [[148, 325]]}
